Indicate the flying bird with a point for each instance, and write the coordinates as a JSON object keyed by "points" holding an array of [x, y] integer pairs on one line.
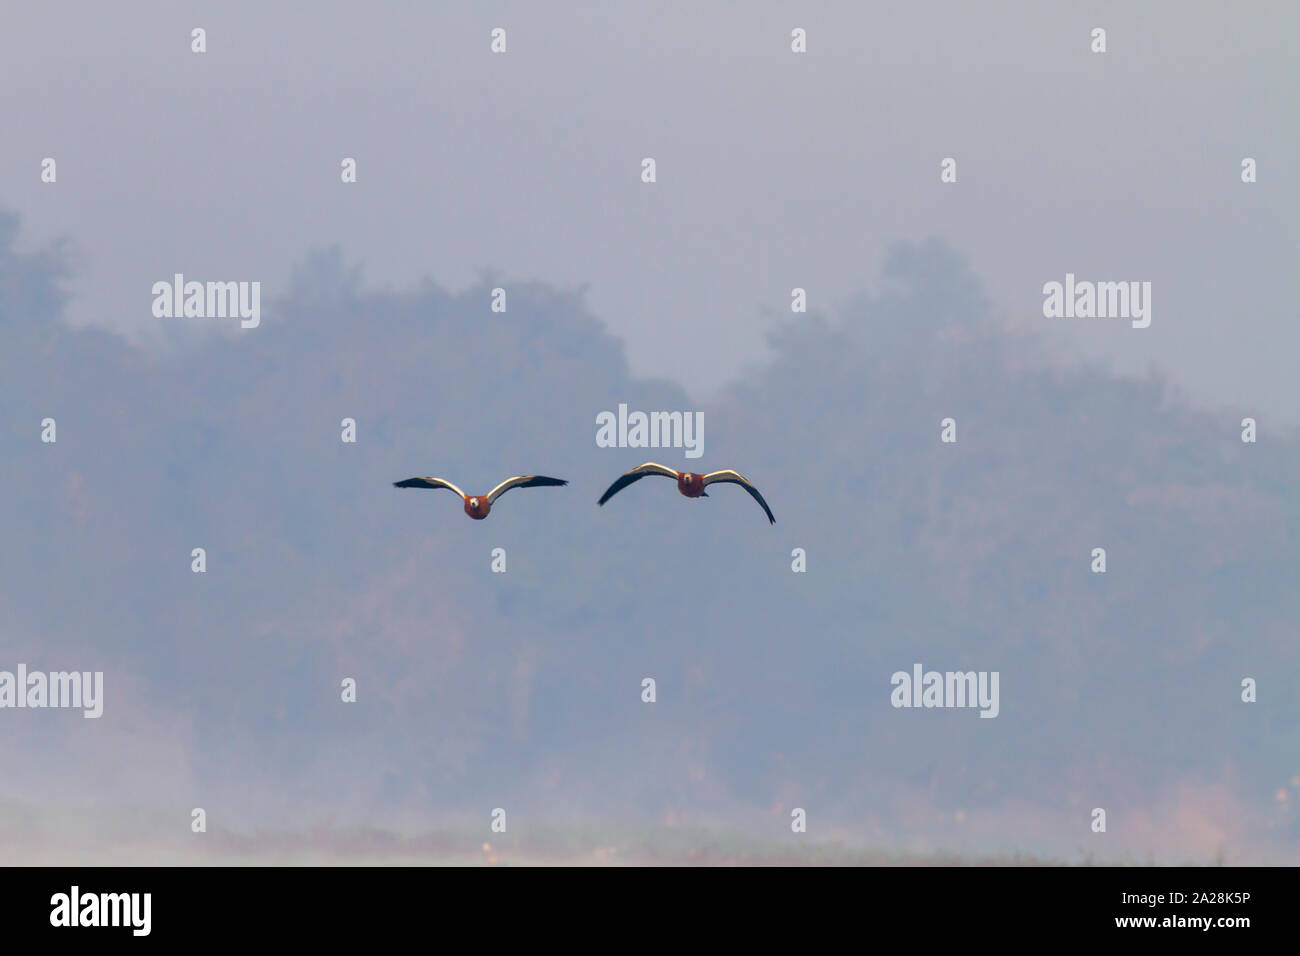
{"points": [[478, 508], [689, 483]]}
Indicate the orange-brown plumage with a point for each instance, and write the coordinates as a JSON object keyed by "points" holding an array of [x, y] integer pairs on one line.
{"points": [[478, 506], [689, 483]]}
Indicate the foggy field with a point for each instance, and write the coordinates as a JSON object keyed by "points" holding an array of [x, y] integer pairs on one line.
{"points": [[54, 837]]}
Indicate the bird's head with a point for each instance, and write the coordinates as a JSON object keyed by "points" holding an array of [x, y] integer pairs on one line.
{"points": [[473, 502]]}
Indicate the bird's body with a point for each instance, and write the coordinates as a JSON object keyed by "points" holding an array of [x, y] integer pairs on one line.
{"points": [[689, 483], [479, 506]]}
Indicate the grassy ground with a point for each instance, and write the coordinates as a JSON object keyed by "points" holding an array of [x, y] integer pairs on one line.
{"points": [[43, 836]]}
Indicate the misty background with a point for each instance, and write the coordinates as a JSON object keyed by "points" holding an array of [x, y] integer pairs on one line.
{"points": [[522, 690]]}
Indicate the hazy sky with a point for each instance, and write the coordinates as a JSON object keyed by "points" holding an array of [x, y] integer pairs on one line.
{"points": [[775, 170]]}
